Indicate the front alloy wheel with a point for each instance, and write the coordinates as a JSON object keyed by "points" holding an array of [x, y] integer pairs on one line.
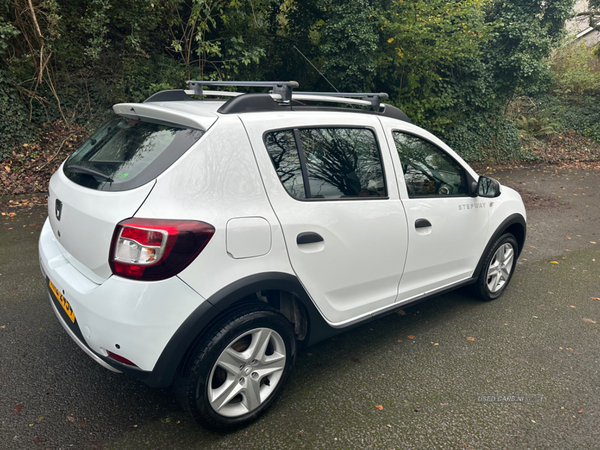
{"points": [[498, 267], [238, 369]]}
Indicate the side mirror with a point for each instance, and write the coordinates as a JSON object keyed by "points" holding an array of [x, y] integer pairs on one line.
{"points": [[488, 187]]}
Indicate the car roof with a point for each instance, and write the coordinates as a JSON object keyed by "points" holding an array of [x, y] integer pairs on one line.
{"points": [[281, 97], [183, 107]]}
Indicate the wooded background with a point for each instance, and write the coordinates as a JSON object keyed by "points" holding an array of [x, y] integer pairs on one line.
{"points": [[467, 70]]}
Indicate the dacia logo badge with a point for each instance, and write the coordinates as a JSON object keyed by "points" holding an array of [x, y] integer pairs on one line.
{"points": [[58, 209]]}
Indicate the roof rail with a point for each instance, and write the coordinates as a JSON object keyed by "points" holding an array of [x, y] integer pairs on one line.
{"points": [[283, 88], [369, 99], [282, 95]]}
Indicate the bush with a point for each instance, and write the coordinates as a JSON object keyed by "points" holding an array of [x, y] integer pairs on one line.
{"points": [[486, 139], [537, 127], [582, 114], [576, 68], [15, 127]]}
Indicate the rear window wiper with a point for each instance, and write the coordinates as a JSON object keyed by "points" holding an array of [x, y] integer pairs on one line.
{"points": [[88, 171]]}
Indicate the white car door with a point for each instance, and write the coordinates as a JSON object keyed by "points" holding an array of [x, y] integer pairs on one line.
{"points": [[447, 227], [344, 225]]}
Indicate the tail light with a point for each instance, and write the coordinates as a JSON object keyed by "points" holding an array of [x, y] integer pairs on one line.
{"points": [[155, 249]]}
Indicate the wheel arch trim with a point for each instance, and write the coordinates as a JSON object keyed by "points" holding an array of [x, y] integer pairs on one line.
{"points": [[220, 303], [512, 222]]}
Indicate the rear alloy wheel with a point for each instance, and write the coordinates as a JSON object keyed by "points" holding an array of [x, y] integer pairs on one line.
{"points": [[498, 268], [239, 370]]}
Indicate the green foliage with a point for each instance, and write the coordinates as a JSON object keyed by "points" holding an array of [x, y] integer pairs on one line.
{"points": [[15, 127], [537, 127], [576, 68], [582, 114], [95, 25], [7, 30], [526, 31], [452, 66], [426, 46], [349, 46], [486, 138], [140, 79]]}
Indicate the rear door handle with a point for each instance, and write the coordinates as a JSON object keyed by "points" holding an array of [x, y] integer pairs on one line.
{"points": [[422, 223], [308, 238]]}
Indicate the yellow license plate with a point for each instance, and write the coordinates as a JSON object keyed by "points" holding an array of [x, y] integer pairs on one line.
{"points": [[63, 301]]}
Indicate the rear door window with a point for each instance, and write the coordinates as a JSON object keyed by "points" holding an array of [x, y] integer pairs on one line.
{"points": [[328, 163], [125, 154]]}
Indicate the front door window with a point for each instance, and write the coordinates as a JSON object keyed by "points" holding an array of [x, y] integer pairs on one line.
{"points": [[428, 171]]}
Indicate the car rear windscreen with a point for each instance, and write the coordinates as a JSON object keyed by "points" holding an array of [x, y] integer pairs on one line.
{"points": [[125, 154]]}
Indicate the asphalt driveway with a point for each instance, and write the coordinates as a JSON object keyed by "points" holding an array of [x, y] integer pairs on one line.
{"points": [[452, 372]]}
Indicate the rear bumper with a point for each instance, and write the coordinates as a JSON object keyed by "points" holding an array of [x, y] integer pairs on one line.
{"points": [[133, 319], [82, 345]]}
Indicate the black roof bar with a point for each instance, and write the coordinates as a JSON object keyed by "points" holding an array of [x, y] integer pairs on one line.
{"points": [[283, 88]]}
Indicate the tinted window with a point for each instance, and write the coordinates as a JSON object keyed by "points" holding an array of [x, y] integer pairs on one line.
{"points": [[124, 154], [342, 162], [338, 163], [282, 149], [428, 170]]}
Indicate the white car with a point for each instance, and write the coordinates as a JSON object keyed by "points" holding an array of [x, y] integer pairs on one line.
{"points": [[198, 242]]}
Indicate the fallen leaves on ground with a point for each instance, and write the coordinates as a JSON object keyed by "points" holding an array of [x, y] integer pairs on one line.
{"points": [[379, 407], [401, 312], [595, 298], [18, 408], [553, 262], [8, 209], [572, 306], [589, 320], [410, 336], [570, 149], [27, 169], [580, 410], [470, 338]]}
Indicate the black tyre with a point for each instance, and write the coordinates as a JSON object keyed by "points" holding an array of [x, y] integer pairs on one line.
{"points": [[499, 265], [238, 369]]}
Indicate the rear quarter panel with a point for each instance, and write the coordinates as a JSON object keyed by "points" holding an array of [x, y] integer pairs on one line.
{"points": [[215, 182]]}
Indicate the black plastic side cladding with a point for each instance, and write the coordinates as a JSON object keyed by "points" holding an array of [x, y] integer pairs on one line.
{"points": [[318, 328], [510, 221], [220, 303]]}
